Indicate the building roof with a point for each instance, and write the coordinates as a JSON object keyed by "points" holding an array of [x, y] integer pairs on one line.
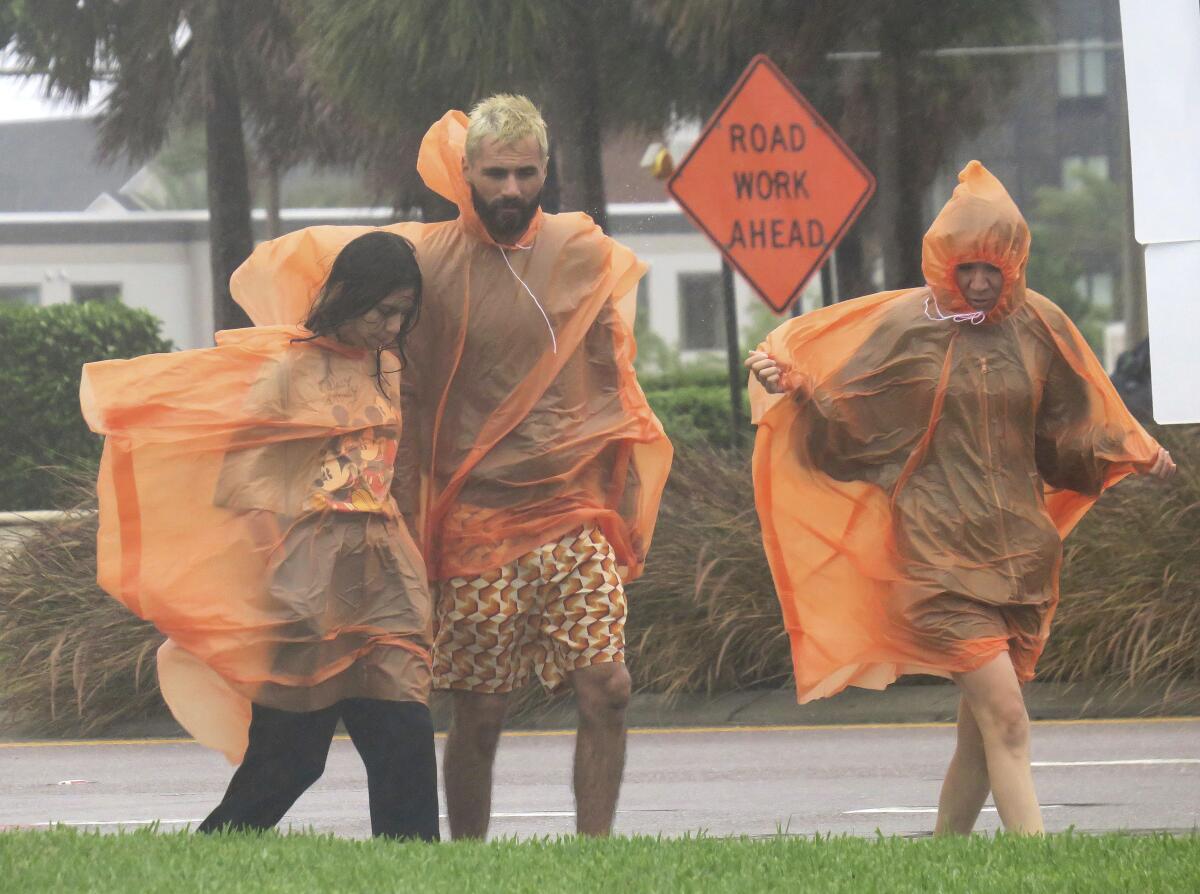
{"points": [[114, 227], [51, 165]]}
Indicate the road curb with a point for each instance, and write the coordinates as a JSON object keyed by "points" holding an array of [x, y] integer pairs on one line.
{"points": [[934, 703]]}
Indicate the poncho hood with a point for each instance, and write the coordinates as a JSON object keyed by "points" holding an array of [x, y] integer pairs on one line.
{"points": [[278, 283], [979, 223]]}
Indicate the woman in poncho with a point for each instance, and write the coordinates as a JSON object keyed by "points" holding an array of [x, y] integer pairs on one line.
{"points": [[245, 509], [920, 456]]}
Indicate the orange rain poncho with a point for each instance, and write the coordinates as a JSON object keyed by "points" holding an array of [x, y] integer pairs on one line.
{"points": [[245, 510], [513, 435], [916, 480]]}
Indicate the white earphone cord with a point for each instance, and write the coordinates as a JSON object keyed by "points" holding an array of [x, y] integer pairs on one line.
{"points": [[553, 338], [974, 318]]}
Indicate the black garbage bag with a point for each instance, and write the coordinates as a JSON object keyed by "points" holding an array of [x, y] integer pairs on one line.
{"points": [[1132, 380]]}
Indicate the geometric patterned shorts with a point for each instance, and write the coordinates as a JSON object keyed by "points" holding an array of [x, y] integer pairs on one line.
{"points": [[549, 612]]}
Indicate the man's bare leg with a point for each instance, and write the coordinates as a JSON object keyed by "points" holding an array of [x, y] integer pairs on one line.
{"points": [[602, 693], [467, 764], [967, 784]]}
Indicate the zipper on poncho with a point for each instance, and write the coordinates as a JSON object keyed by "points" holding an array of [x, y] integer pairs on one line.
{"points": [[990, 471]]}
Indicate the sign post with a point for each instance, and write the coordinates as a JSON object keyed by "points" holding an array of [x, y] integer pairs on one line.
{"points": [[732, 354], [774, 188]]}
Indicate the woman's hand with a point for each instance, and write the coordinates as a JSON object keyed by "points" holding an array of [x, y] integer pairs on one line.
{"points": [[1163, 466], [766, 370]]}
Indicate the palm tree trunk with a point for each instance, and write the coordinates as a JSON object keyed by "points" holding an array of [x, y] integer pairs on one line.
{"points": [[274, 199], [580, 124], [230, 236], [910, 220], [552, 191], [853, 279], [888, 171], [899, 176]]}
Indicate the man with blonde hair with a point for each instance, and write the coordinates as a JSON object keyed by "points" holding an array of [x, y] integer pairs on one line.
{"points": [[536, 462]]}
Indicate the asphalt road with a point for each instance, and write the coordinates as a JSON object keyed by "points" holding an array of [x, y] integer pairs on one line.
{"points": [[1092, 775]]}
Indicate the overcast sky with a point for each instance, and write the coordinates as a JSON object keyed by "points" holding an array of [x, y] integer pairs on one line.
{"points": [[22, 98]]}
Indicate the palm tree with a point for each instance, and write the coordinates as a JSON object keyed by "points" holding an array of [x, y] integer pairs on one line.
{"points": [[172, 62], [164, 59], [594, 68]]}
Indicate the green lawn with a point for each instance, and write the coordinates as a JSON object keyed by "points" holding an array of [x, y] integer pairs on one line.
{"points": [[66, 860]]}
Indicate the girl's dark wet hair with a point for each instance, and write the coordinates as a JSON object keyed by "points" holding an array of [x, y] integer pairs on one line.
{"points": [[368, 269]]}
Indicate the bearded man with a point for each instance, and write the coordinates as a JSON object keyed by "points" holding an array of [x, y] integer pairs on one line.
{"points": [[532, 464]]}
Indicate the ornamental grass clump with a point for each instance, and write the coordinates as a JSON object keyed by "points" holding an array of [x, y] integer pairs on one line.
{"points": [[702, 619], [72, 659], [1130, 610]]}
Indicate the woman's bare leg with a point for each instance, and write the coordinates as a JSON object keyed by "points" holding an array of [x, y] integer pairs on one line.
{"points": [[994, 696], [967, 785]]}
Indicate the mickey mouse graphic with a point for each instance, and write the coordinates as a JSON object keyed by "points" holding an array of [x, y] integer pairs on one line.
{"points": [[337, 478]]}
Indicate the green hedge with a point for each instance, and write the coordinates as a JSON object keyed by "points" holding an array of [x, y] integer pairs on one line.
{"points": [[703, 375], [698, 415], [41, 352]]}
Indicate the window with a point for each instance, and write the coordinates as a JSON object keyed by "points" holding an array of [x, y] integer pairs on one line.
{"points": [[21, 294], [701, 318], [107, 292], [1098, 289], [1081, 68], [1076, 167], [1093, 70]]}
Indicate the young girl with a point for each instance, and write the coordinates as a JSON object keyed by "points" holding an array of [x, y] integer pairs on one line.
{"points": [[920, 456], [245, 509]]}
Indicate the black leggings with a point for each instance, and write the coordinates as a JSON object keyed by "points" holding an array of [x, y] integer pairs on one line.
{"points": [[287, 754]]}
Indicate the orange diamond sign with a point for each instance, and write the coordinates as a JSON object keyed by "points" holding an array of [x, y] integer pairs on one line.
{"points": [[771, 184]]}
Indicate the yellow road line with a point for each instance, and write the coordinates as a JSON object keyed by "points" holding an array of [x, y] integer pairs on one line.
{"points": [[645, 731]]}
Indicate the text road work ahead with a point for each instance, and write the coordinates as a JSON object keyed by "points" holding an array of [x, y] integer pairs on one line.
{"points": [[755, 183]]}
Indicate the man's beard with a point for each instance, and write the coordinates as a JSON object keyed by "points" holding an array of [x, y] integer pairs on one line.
{"points": [[506, 219]]}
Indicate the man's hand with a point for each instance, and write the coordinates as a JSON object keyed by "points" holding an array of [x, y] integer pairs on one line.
{"points": [[766, 370], [1163, 466]]}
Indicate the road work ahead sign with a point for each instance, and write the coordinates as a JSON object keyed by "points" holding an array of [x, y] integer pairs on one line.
{"points": [[771, 184]]}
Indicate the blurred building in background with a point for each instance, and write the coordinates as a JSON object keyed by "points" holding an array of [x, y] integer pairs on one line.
{"points": [[72, 229]]}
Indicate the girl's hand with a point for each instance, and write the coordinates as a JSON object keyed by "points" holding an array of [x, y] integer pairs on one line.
{"points": [[766, 370], [1163, 466]]}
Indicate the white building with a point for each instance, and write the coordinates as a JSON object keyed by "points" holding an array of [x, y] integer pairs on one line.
{"points": [[70, 232], [158, 260]]}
